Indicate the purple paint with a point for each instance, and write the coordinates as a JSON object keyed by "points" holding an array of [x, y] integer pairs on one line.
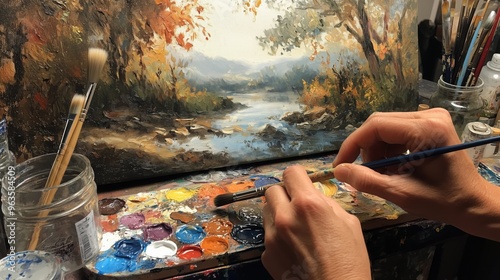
{"points": [[157, 232], [133, 221]]}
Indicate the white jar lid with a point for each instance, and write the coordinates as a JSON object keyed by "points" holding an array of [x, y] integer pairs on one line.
{"points": [[30, 265]]}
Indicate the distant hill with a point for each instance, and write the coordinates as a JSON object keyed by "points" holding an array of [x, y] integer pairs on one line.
{"points": [[202, 68]]}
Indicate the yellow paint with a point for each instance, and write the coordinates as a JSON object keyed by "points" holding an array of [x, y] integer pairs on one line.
{"points": [[180, 194], [328, 188]]}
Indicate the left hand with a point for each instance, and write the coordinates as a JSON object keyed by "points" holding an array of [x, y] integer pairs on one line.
{"points": [[310, 236]]}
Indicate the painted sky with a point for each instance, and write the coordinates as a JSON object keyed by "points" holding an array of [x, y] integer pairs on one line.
{"points": [[233, 33]]}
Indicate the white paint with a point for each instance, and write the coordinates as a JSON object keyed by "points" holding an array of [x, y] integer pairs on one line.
{"points": [[161, 249], [108, 239]]}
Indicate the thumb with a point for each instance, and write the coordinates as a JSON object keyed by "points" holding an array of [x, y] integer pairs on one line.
{"points": [[363, 179]]}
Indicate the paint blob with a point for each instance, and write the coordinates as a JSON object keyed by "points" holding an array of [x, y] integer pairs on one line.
{"points": [[210, 191], [109, 239], [161, 249], [152, 217], [111, 265], [110, 224], [189, 234], [157, 232], [182, 216], [107, 263], [239, 186], [328, 188], [248, 234], [110, 206], [265, 180], [189, 252], [218, 226], [133, 221], [180, 194], [129, 248], [214, 245], [250, 214]]}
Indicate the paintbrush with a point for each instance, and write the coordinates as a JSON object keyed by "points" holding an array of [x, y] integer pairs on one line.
{"points": [[228, 198], [75, 109], [446, 25], [97, 58], [486, 48], [472, 44], [480, 43]]}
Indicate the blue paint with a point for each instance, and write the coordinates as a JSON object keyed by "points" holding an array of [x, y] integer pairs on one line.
{"points": [[129, 248], [265, 180], [108, 263], [30, 265], [189, 234], [144, 264], [248, 234]]}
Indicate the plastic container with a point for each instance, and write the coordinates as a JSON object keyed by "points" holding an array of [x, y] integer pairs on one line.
{"points": [[34, 265], [68, 227], [490, 74], [463, 102]]}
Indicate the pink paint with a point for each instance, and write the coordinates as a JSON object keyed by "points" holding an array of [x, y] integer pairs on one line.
{"points": [[157, 232], [133, 221]]}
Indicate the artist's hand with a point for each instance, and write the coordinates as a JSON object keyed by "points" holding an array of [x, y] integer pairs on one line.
{"points": [[447, 188], [308, 235]]}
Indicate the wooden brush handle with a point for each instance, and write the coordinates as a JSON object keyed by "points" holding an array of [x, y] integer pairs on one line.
{"points": [[47, 197]]}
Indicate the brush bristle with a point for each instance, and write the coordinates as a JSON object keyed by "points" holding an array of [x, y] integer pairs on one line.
{"points": [[97, 59], [76, 104], [223, 199]]}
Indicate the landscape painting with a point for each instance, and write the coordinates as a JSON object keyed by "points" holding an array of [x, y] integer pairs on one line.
{"points": [[195, 85]]}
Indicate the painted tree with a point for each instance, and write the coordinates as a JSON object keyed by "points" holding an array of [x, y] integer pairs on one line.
{"points": [[137, 34], [367, 26], [43, 50]]}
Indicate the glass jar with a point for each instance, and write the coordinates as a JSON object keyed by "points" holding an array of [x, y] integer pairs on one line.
{"points": [[463, 102], [68, 226]]}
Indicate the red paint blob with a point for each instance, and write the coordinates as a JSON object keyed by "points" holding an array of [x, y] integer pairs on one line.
{"points": [[188, 252]]}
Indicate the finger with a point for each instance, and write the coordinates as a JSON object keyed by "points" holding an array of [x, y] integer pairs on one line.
{"points": [[277, 199], [365, 180], [297, 182], [433, 112], [410, 135]]}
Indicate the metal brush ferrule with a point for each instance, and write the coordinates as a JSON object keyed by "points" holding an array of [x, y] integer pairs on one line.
{"points": [[251, 193]]}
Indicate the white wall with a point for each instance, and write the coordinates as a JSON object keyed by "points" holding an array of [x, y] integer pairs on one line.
{"points": [[427, 9]]}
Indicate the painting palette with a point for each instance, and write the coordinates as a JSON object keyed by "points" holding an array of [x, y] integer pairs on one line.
{"points": [[176, 229]]}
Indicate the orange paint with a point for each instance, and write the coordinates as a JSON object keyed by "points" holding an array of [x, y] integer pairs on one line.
{"points": [[213, 245], [239, 186], [210, 191], [110, 224], [182, 216], [218, 226], [152, 217]]}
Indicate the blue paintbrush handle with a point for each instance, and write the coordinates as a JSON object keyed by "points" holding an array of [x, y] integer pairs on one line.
{"points": [[429, 153]]}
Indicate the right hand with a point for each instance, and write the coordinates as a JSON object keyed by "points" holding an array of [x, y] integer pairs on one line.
{"points": [[447, 187]]}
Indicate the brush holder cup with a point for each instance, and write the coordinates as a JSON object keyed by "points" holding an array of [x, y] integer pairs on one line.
{"points": [[68, 226], [463, 102]]}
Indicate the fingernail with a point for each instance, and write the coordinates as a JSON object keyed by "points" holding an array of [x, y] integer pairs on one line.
{"points": [[342, 171]]}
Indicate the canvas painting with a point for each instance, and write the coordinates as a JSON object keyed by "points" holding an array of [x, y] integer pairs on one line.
{"points": [[196, 85]]}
